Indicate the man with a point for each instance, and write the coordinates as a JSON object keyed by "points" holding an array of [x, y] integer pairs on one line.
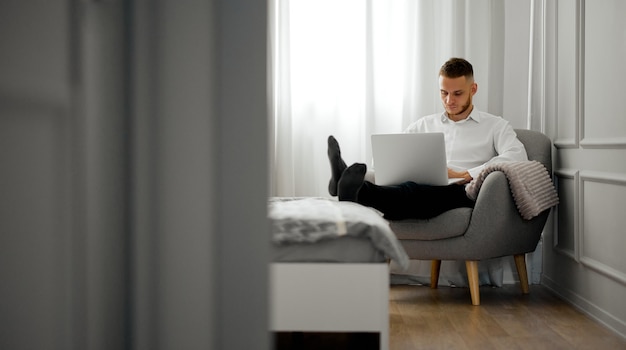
{"points": [[473, 139]]}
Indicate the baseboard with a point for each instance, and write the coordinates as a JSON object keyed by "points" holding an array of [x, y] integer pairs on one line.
{"points": [[587, 307]]}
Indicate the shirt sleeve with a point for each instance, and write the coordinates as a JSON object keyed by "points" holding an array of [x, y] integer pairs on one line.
{"points": [[474, 172], [507, 146], [415, 127]]}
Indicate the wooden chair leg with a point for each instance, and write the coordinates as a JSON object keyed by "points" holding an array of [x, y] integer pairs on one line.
{"points": [[435, 267], [520, 264], [472, 279]]}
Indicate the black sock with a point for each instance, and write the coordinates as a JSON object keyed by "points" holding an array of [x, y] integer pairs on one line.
{"points": [[337, 165], [351, 181]]}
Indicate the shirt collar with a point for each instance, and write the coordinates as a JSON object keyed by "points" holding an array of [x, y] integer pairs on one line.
{"points": [[475, 116]]}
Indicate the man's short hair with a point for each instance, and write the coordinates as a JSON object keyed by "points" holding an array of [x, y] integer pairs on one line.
{"points": [[457, 67]]}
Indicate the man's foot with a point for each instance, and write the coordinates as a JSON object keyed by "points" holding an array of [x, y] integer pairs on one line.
{"points": [[337, 165], [351, 181]]}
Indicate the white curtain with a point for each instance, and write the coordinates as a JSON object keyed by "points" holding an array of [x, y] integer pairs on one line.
{"points": [[350, 68]]}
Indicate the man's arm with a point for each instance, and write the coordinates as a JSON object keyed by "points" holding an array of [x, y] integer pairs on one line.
{"points": [[467, 178], [507, 146]]}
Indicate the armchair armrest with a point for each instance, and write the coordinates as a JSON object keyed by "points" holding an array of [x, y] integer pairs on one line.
{"points": [[494, 204], [496, 227]]}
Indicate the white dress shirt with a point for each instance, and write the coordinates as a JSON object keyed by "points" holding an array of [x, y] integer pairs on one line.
{"points": [[475, 142]]}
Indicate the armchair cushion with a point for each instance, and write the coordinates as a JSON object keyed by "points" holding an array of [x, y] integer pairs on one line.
{"points": [[450, 224]]}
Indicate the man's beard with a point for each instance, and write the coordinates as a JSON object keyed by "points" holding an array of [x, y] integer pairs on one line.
{"points": [[464, 108]]}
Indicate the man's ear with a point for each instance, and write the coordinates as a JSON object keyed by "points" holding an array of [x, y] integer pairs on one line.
{"points": [[474, 88]]}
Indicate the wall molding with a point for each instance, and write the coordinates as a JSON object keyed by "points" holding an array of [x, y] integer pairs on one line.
{"points": [[603, 177], [588, 141], [30, 106], [572, 141], [566, 143], [603, 143], [604, 269], [570, 174], [608, 178], [580, 65], [579, 139]]}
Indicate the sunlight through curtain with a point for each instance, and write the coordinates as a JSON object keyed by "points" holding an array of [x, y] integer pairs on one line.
{"points": [[351, 68]]}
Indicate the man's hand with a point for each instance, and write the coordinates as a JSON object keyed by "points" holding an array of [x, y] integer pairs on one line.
{"points": [[460, 174]]}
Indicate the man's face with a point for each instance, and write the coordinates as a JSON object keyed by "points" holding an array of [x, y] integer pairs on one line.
{"points": [[456, 95]]}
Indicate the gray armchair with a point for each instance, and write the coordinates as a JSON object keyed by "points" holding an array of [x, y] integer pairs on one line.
{"points": [[493, 228]]}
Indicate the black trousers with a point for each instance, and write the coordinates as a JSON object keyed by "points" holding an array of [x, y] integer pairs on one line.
{"points": [[413, 201]]}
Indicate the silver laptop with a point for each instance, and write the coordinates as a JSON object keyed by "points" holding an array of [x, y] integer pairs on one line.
{"points": [[419, 157]]}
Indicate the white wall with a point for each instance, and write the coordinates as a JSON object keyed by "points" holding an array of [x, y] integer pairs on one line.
{"points": [[64, 205], [585, 43], [126, 151], [575, 64]]}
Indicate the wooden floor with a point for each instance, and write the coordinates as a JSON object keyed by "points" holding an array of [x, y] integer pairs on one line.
{"points": [[423, 318]]}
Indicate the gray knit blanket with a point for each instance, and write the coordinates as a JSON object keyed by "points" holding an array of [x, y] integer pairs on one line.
{"points": [[530, 184], [309, 220]]}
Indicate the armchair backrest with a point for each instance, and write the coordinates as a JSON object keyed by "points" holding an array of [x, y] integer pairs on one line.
{"points": [[538, 146]]}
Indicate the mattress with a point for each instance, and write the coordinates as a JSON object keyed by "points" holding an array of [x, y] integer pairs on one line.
{"points": [[340, 250]]}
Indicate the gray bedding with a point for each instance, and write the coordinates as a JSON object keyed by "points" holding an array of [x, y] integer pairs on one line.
{"points": [[344, 249], [302, 222]]}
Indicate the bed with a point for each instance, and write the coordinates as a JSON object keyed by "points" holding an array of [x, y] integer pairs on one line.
{"points": [[330, 267]]}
